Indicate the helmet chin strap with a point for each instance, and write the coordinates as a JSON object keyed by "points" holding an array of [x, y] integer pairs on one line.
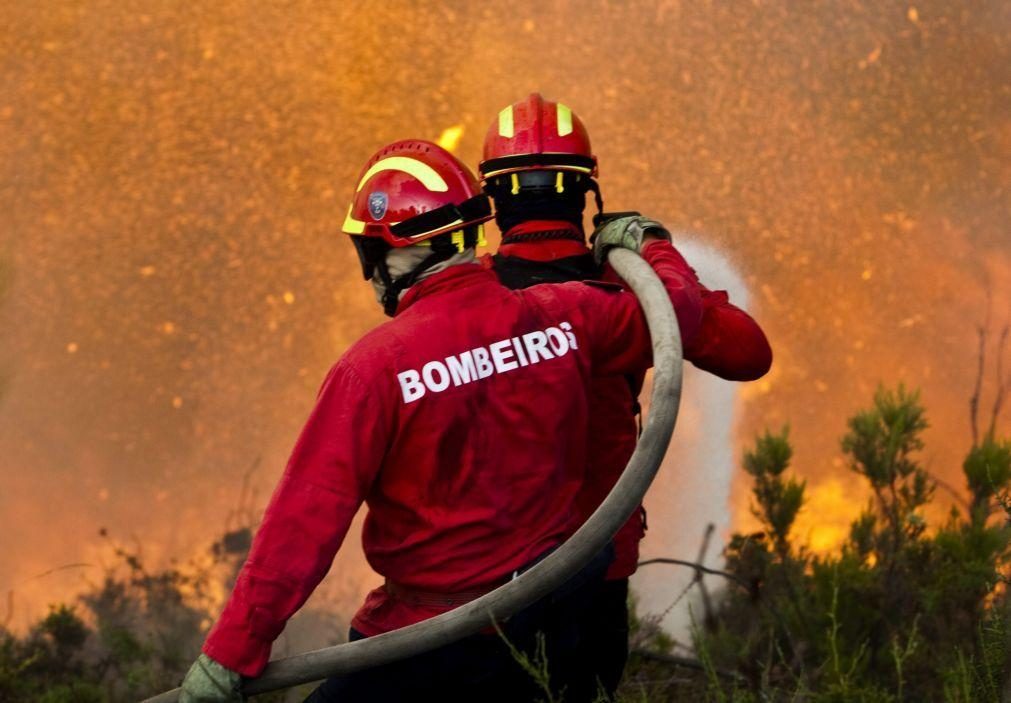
{"points": [[397, 271], [591, 184]]}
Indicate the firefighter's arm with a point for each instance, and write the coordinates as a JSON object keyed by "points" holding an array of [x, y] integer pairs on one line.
{"points": [[730, 344], [618, 325], [331, 468]]}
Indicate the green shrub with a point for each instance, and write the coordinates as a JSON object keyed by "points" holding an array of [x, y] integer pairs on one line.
{"points": [[898, 612]]}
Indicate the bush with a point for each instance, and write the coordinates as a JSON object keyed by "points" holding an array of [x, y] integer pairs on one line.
{"points": [[898, 613]]}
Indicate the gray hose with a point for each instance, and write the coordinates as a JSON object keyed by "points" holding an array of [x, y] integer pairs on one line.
{"points": [[563, 563]]}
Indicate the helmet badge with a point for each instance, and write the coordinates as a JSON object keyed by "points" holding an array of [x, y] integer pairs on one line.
{"points": [[378, 202]]}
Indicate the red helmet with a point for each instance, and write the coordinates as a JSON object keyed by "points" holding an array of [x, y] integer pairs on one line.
{"points": [[536, 134], [411, 191]]}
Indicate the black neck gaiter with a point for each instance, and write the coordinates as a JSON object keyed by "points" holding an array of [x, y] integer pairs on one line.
{"points": [[511, 210]]}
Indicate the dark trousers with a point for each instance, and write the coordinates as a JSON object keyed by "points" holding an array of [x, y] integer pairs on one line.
{"points": [[604, 645], [481, 667]]}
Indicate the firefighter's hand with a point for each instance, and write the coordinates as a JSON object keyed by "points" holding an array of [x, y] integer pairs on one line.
{"points": [[627, 233], [210, 682]]}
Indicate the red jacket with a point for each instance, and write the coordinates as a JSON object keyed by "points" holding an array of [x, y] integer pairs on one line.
{"points": [[730, 344], [439, 420]]}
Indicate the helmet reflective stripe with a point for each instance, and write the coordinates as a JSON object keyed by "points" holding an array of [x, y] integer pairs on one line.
{"points": [[457, 221], [505, 122], [459, 239], [351, 225], [422, 171], [564, 115]]}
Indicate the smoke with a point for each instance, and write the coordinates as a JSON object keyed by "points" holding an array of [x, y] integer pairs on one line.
{"points": [[692, 489]]}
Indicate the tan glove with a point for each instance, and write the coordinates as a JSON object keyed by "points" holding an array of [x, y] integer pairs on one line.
{"points": [[625, 232], [210, 682]]}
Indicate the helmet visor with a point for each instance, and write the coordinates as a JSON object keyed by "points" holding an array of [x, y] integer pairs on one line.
{"points": [[475, 209], [371, 251]]}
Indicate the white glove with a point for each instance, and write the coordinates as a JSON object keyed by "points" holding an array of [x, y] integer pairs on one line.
{"points": [[625, 232], [210, 682]]}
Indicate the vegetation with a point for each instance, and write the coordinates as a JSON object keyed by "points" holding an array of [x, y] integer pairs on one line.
{"points": [[900, 612], [133, 635]]}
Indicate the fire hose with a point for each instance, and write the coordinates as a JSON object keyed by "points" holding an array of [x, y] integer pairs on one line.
{"points": [[552, 572]]}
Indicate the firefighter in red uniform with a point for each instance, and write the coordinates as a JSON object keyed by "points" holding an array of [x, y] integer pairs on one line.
{"points": [[438, 421], [538, 167]]}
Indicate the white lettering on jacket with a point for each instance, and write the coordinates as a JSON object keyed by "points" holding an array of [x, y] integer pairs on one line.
{"points": [[481, 362]]}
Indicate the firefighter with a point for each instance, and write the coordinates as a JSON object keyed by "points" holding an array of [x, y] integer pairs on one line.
{"points": [[537, 167], [438, 421]]}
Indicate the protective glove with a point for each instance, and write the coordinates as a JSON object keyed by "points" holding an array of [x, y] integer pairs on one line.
{"points": [[625, 232], [210, 682]]}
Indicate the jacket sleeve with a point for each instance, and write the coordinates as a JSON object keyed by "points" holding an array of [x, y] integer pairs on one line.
{"points": [[334, 462], [730, 344], [617, 326]]}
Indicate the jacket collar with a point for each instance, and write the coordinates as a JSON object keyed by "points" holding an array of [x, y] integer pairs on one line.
{"points": [[450, 280], [547, 249]]}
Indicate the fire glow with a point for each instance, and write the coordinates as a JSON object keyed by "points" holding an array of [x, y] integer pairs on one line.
{"points": [[172, 183]]}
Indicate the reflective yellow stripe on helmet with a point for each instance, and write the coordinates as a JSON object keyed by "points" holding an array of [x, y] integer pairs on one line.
{"points": [[425, 243], [351, 225], [505, 123], [422, 171], [564, 115], [458, 239]]}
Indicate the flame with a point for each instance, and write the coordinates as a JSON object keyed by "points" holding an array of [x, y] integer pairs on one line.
{"points": [[823, 524], [824, 521], [450, 137]]}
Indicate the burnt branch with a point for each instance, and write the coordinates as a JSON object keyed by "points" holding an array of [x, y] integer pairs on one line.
{"points": [[981, 358], [1002, 382], [242, 514], [698, 568], [708, 618]]}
